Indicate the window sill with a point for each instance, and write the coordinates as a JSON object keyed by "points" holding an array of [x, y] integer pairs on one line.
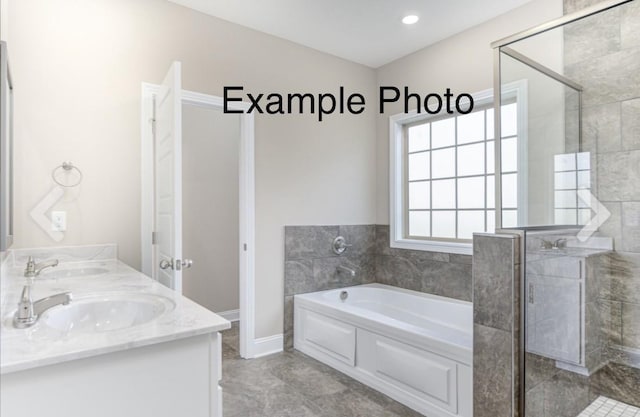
{"points": [[433, 246]]}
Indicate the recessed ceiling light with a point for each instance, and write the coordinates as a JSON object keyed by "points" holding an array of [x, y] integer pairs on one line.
{"points": [[410, 19]]}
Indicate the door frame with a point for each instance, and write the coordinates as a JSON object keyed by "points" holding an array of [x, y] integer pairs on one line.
{"points": [[246, 247]]}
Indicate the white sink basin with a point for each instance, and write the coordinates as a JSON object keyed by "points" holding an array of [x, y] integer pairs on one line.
{"points": [[106, 313], [73, 272]]}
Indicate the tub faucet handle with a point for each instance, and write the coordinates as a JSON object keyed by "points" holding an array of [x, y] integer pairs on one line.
{"points": [[340, 245]]}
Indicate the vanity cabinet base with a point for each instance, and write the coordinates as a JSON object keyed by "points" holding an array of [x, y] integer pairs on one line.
{"points": [[175, 378]]}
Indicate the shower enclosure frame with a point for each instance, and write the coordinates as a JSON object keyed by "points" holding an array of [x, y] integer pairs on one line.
{"points": [[502, 46]]}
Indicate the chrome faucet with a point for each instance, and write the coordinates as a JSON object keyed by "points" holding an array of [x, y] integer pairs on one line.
{"points": [[29, 311], [346, 270], [560, 243], [33, 269], [556, 244]]}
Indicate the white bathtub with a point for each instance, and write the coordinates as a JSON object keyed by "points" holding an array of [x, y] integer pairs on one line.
{"points": [[412, 346]]}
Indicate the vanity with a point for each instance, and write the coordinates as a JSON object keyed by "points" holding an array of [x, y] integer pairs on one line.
{"points": [[124, 345]]}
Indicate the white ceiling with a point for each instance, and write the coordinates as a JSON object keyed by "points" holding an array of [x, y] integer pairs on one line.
{"points": [[365, 31]]}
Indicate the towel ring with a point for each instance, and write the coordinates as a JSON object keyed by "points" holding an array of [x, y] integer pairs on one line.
{"points": [[66, 166]]}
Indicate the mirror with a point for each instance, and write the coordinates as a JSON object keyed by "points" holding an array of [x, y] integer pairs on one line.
{"points": [[6, 151]]}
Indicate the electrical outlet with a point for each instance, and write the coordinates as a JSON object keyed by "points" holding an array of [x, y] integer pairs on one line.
{"points": [[58, 221]]}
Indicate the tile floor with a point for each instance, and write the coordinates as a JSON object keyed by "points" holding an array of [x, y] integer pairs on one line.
{"points": [[606, 407], [291, 384]]}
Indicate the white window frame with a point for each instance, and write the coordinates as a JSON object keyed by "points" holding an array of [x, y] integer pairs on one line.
{"points": [[397, 189]]}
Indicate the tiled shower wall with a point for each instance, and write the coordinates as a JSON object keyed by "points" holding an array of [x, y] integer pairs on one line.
{"points": [[602, 54], [311, 265]]}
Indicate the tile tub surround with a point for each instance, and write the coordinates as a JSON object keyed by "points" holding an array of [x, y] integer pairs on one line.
{"points": [[186, 320], [444, 274], [310, 265], [496, 278]]}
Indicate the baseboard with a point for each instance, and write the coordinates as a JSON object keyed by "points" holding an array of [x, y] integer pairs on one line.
{"points": [[231, 315], [267, 346]]}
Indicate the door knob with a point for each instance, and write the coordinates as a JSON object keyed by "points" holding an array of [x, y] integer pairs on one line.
{"points": [[176, 264], [165, 264]]}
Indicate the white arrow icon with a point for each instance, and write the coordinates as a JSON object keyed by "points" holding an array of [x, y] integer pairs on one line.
{"points": [[39, 212], [601, 215]]}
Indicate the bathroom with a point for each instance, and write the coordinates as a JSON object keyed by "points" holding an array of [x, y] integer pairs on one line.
{"points": [[339, 261]]}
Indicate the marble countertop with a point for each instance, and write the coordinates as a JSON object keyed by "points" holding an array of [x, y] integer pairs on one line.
{"points": [[39, 345], [569, 251]]}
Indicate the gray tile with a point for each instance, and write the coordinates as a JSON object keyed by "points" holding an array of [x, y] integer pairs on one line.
{"points": [[601, 124], [460, 259], [309, 378], [610, 78], [538, 370], [619, 175], [418, 256], [612, 227], [630, 25], [382, 240], [362, 237], [351, 404], [400, 410], [631, 326], [298, 277], [619, 382], [304, 242], [592, 37], [571, 6], [292, 384], [288, 322], [631, 226], [631, 120], [566, 394], [613, 322], [399, 272], [624, 273], [326, 274], [534, 402], [453, 280], [491, 372], [493, 277]]}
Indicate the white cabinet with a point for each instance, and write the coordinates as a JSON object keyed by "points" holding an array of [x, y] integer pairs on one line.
{"points": [[561, 292], [174, 378], [555, 318]]}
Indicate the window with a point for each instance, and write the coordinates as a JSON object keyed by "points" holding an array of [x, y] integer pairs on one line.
{"points": [[443, 175], [572, 174]]}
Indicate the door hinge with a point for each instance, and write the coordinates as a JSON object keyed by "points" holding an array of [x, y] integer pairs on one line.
{"points": [[153, 126], [245, 247], [531, 294], [154, 238]]}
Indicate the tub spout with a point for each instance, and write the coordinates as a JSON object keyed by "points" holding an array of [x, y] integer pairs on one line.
{"points": [[346, 270]]}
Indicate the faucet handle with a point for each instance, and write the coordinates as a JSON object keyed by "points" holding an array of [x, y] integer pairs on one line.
{"points": [[340, 245], [26, 294], [30, 269]]}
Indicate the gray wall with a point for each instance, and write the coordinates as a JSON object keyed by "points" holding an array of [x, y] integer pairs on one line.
{"points": [[310, 265]]}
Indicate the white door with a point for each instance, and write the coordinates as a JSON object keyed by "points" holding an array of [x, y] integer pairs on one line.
{"points": [[167, 143]]}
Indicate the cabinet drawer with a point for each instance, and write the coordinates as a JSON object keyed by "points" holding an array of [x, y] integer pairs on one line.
{"points": [[331, 336]]}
